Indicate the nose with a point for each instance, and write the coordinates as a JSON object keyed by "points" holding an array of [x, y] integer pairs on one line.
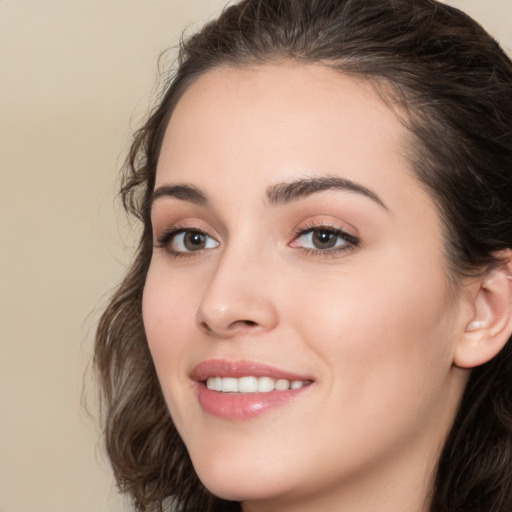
{"points": [[238, 298]]}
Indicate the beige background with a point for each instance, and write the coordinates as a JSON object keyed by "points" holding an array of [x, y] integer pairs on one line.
{"points": [[74, 76]]}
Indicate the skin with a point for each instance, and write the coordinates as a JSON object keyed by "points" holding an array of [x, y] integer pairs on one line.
{"points": [[375, 324]]}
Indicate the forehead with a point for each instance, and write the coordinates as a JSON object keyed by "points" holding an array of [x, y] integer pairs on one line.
{"points": [[278, 107], [283, 97], [271, 123]]}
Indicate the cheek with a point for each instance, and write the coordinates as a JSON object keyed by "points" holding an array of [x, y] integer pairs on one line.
{"points": [[387, 360], [163, 313], [167, 296], [166, 315], [384, 335]]}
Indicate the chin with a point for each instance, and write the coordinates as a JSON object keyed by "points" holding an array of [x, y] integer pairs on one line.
{"points": [[242, 481]]}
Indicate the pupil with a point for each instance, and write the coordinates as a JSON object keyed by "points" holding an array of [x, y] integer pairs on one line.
{"points": [[194, 241], [324, 239]]}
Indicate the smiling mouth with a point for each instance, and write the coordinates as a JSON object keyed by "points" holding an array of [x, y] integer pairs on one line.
{"points": [[241, 390], [251, 384]]}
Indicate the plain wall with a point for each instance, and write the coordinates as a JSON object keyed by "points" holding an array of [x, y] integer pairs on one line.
{"points": [[74, 78]]}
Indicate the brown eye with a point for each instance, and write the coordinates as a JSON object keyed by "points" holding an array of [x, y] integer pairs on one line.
{"points": [[191, 241], [194, 241], [323, 239]]}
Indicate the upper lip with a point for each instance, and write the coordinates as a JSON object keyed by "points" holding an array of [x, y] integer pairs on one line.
{"points": [[241, 368]]}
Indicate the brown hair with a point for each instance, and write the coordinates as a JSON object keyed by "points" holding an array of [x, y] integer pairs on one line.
{"points": [[455, 83]]}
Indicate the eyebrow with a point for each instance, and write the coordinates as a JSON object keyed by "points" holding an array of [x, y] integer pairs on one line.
{"points": [[183, 191], [278, 194], [285, 192]]}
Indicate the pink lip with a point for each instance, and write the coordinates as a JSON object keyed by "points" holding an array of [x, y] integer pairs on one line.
{"points": [[240, 406], [237, 369]]}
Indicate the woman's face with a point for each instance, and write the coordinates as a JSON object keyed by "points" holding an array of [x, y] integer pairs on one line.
{"points": [[298, 261]]}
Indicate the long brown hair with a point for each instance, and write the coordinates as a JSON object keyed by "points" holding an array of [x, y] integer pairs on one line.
{"points": [[455, 84]]}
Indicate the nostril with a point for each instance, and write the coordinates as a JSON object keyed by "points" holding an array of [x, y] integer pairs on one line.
{"points": [[231, 328], [242, 325], [206, 327]]}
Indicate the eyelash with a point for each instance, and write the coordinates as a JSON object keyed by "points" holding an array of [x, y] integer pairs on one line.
{"points": [[165, 239], [351, 241]]}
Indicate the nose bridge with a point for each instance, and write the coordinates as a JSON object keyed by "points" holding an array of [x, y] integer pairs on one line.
{"points": [[238, 297]]}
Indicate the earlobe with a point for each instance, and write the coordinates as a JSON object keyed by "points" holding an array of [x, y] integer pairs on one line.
{"points": [[490, 327]]}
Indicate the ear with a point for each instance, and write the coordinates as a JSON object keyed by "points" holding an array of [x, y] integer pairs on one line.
{"points": [[490, 326]]}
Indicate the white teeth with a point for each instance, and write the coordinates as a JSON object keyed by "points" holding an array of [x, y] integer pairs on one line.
{"points": [[265, 384], [251, 384], [230, 385], [282, 385], [248, 385]]}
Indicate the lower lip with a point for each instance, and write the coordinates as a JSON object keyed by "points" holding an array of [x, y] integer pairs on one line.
{"points": [[241, 406]]}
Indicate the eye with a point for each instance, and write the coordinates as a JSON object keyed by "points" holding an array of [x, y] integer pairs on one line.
{"points": [[183, 241], [324, 239]]}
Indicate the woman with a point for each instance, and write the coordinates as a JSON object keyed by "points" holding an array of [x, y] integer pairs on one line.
{"points": [[319, 313]]}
